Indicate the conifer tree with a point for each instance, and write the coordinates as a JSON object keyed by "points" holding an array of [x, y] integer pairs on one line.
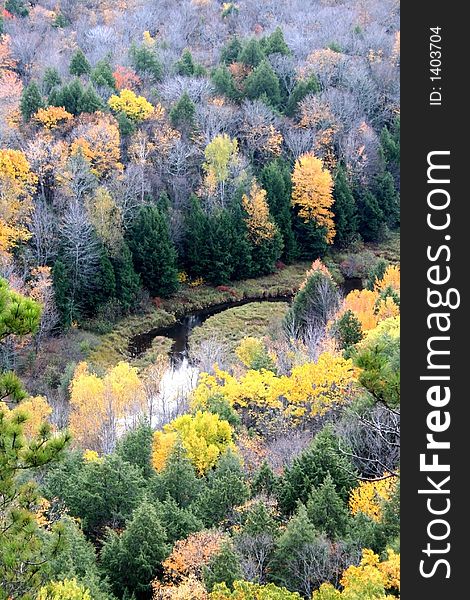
{"points": [[310, 469], [182, 113], [153, 253], [251, 54], [79, 64], [387, 199], [145, 61], [370, 216], [133, 559], [275, 179], [135, 447], [102, 75], [226, 488], [223, 567], [31, 101], [327, 511], [127, 280], [302, 88], [264, 481], [263, 83], [231, 51], [275, 43], [178, 479], [186, 65], [224, 83], [50, 80], [345, 210], [89, 101]]}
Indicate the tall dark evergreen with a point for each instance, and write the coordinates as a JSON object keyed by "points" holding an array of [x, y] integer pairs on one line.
{"points": [[345, 211], [370, 216], [89, 101], [133, 559], [388, 199], [153, 252], [79, 64], [275, 43], [263, 83], [275, 179], [183, 112], [252, 53], [102, 75], [31, 100], [127, 280]]}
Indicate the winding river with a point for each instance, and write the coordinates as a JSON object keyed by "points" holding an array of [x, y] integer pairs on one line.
{"points": [[180, 331]]}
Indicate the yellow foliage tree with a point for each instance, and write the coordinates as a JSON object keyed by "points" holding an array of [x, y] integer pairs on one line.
{"points": [[205, 436], [312, 187], [362, 303], [259, 224], [310, 389], [106, 218], [219, 154], [17, 183], [368, 497], [68, 589], [371, 579], [52, 116], [38, 410], [100, 405], [136, 108]]}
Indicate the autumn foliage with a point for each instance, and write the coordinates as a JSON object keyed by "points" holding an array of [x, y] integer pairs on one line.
{"points": [[312, 187]]}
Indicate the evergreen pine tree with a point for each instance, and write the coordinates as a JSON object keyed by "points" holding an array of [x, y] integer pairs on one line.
{"points": [[179, 522], [259, 521], [182, 113], [231, 51], [178, 479], [133, 559], [302, 88], [69, 96], [310, 469], [224, 83], [263, 83], [198, 258], [61, 285], [275, 179], [345, 211], [388, 199], [185, 65], [327, 511], [127, 280], [291, 548], [105, 283], [145, 61], [251, 54], [102, 75], [226, 488], [223, 567], [347, 330], [153, 252], [50, 80], [135, 447], [371, 217], [275, 43], [264, 481], [79, 64], [31, 101], [17, 7], [89, 101]]}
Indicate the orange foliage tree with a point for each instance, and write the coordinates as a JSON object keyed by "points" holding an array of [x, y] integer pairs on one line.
{"points": [[97, 137]]}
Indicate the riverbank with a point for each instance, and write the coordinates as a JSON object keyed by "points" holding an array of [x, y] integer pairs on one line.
{"points": [[114, 346]]}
